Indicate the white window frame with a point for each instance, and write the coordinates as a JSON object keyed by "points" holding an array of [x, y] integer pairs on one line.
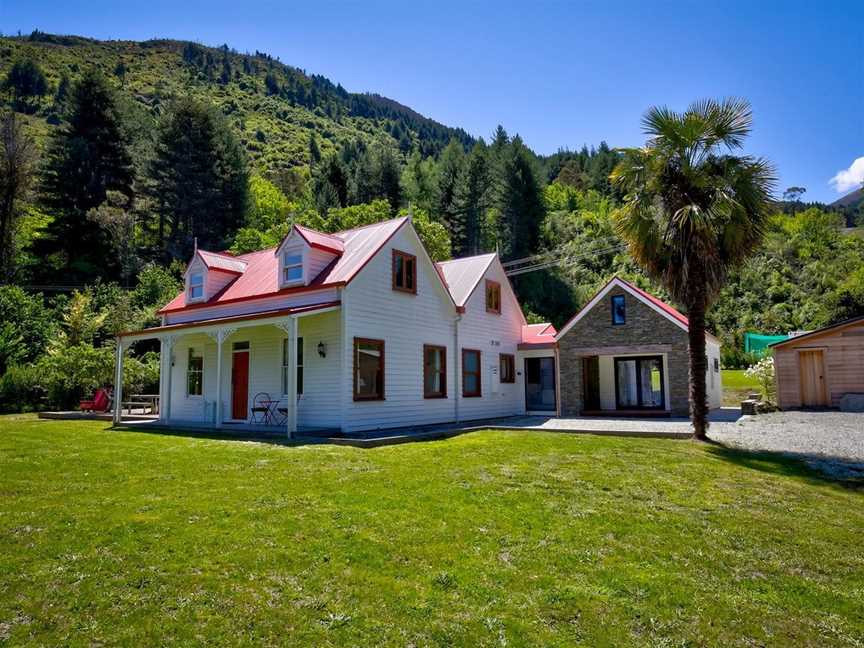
{"points": [[286, 364], [189, 355], [286, 266], [193, 285]]}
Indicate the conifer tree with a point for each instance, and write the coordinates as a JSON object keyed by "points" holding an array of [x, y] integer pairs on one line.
{"points": [[472, 200], [199, 181], [88, 157], [520, 202], [449, 169]]}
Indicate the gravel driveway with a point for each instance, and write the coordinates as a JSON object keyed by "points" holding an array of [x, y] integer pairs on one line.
{"points": [[832, 442]]}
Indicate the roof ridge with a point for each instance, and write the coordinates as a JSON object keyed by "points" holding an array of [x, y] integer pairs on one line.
{"points": [[467, 258], [360, 227]]}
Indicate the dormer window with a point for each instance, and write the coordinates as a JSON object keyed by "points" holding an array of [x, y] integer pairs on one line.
{"points": [[292, 268], [196, 285]]}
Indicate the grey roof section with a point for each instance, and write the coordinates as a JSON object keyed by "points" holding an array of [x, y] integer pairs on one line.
{"points": [[463, 275]]}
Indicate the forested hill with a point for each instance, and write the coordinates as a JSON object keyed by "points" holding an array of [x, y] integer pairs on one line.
{"points": [[274, 107]]}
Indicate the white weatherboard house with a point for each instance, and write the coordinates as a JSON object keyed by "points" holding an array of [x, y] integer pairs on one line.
{"points": [[352, 331]]}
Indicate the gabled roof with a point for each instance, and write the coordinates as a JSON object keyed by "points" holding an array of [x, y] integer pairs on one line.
{"points": [[260, 278], [667, 311], [221, 261], [825, 329], [461, 276], [320, 240]]}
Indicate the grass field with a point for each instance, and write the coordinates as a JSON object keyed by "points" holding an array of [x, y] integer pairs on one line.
{"points": [[491, 538], [736, 386]]}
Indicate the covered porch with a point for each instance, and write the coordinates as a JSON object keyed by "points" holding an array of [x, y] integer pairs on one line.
{"points": [[275, 372]]}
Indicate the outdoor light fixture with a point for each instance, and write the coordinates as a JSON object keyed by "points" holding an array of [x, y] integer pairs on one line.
{"points": [[322, 349]]}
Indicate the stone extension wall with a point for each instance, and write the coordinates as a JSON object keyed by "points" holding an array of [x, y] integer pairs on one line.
{"points": [[645, 331]]}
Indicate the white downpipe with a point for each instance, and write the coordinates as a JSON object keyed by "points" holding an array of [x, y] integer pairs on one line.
{"points": [[457, 366]]}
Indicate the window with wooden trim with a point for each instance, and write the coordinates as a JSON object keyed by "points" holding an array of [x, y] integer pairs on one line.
{"points": [[404, 272], [195, 373], [368, 369], [493, 297], [286, 369], [471, 373], [434, 371], [196, 285], [507, 367]]}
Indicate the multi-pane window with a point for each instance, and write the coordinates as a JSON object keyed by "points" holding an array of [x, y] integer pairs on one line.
{"points": [[508, 368], [434, 371], [404, 272], [292, 268], [493, 297], [195, 373], [470, 372], [196, 285], [619, 313], [368, 369], [286, 368]]}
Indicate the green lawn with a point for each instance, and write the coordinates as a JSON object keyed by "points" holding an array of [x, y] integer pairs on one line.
{"points": [[491, 538], [736, 386]]}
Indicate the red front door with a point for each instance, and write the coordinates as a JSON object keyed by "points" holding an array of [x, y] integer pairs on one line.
{"points": [[240, 385]]}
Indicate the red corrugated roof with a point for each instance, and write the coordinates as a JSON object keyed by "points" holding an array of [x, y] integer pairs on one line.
{"points": [[538, 333], [260, 277], [320, 240]]}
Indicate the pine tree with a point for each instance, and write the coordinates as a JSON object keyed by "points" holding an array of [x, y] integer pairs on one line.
{"points": [[330, 184], [387, 174], [449, 169], [520, 202], [86, 159], [472, 201], [314, 151], [199, 181]]}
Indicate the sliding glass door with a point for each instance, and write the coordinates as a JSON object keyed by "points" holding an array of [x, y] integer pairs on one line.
{"points": [[639, 383]]}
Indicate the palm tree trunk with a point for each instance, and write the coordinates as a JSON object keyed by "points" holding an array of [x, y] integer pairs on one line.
{"points": [[698, 367]]}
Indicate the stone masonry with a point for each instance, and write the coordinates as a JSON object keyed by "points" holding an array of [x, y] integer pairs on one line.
{"points": [[645, 331]]}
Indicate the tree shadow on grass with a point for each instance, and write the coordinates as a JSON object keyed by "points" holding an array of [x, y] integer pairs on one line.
{"points": [[814, 468]]}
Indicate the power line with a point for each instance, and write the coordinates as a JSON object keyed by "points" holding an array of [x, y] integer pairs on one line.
{"points": [[564, 261]]}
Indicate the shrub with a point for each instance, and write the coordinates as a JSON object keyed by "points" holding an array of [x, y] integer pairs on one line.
{"points": [[763, 372], [21, 389]]}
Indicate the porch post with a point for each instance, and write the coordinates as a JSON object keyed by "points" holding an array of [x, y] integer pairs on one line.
{"points": [[118, 381], [220, 335], [292, 377], [168, 362]]}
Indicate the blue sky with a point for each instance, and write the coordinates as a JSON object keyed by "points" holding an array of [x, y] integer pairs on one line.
{"points": [[559, 74]]}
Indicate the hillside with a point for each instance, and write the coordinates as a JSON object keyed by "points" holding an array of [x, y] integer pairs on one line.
{"points": [[274, 107]]}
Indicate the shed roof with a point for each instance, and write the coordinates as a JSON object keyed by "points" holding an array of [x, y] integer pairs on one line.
{"points": [[825, 329]]}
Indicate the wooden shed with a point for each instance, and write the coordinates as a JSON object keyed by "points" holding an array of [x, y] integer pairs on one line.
{"points": [[816, 369]]}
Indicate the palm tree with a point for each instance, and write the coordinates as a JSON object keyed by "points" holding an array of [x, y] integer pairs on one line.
{"points": [[693, 210]]}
